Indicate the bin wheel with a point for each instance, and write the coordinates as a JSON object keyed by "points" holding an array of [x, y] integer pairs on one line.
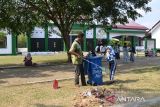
{"points": [[94, 84], [89, 83]]}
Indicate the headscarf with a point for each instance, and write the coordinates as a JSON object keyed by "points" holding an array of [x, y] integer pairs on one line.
{"points": [[111, 49], [110, 56], [28, 56]]}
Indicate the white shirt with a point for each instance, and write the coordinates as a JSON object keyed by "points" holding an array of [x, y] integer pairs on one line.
{"points": [[102, 48]]}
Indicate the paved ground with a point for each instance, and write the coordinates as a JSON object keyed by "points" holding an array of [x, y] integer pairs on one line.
{"points": [[18, 76]]}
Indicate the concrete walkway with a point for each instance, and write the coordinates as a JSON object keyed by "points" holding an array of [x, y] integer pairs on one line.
{"points": [[43, 73]]}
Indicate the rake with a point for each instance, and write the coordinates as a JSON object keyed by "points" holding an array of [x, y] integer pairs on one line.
{"points": [[104, 69]]}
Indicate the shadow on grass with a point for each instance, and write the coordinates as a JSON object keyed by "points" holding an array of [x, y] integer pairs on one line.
{"points": [[144, 70], [146, 92], [2, 82], [42, 105], [140, 90], [121, 87], [34, 72], [119, 82], [22, 73], [53, 62]]}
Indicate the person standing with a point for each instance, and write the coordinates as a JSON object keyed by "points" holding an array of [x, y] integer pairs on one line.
{"points": [[132, 52], [117, 51], [125, 53], [77, 59], [97, 49], [110, 57], [103, 49]]}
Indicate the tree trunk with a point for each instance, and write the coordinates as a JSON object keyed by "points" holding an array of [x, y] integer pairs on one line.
{"points": [[69, 57], [67, 44]]}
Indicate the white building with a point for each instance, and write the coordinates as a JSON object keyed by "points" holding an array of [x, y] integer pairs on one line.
{"points": [[43, 40], [7, 44], [155, 34]]}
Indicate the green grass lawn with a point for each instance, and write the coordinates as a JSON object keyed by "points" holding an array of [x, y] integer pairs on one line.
{"points": [[18, 60], [142, 83]]}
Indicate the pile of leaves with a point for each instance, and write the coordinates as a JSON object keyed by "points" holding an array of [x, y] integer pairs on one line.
{"points": [[96, 97]]}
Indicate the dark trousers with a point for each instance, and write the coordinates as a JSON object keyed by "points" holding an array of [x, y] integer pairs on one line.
{"points": [[132, 57], [117, 55], [112, 68], [79, 71], [28, 63]]}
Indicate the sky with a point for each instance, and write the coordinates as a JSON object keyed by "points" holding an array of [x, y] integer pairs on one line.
{"points": [[151, 18]]}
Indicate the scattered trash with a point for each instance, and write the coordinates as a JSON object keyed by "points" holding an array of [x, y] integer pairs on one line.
{"points": [[96, 97]]}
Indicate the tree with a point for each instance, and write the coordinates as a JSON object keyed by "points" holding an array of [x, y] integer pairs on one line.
{"points": [[16, 17], [64, 13], [119, 11]]}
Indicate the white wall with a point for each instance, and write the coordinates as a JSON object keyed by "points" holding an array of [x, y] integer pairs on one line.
{"points": [[100, 33], [8, 49], [128, 34], [54, 32], [140, 48], [89, 33], [150, 44], [156, 35], [38, 33], [22, 50]]}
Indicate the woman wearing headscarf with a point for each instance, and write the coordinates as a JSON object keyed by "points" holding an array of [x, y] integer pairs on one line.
{"points": [[110, 57], [28, 60]]}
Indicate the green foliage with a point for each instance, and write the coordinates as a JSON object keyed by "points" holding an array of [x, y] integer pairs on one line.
{"points": [[2, 36], [112, 42], [121, 43], [22, 41], [17, 17], [128, 43], [3, 40], [119, 10], [22, 15]]}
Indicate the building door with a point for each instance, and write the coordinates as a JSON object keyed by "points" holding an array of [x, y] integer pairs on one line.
{"points": [[37, 44], [89, 44], [55, 44]]}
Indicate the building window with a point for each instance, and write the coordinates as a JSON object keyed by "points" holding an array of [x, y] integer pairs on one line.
{"points": [[3, 40]]}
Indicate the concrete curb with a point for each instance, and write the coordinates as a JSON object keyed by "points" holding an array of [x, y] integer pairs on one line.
{"points": [[36, 82]]}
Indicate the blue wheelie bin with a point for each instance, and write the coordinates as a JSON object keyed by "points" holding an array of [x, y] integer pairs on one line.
{"points": [[94, 71]]}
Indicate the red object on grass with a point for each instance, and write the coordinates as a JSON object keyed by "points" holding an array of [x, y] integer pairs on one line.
{"points": [[55, 84]]}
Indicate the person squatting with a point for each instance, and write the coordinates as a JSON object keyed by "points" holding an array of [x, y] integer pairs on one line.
{"points": [[110, 58]]}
